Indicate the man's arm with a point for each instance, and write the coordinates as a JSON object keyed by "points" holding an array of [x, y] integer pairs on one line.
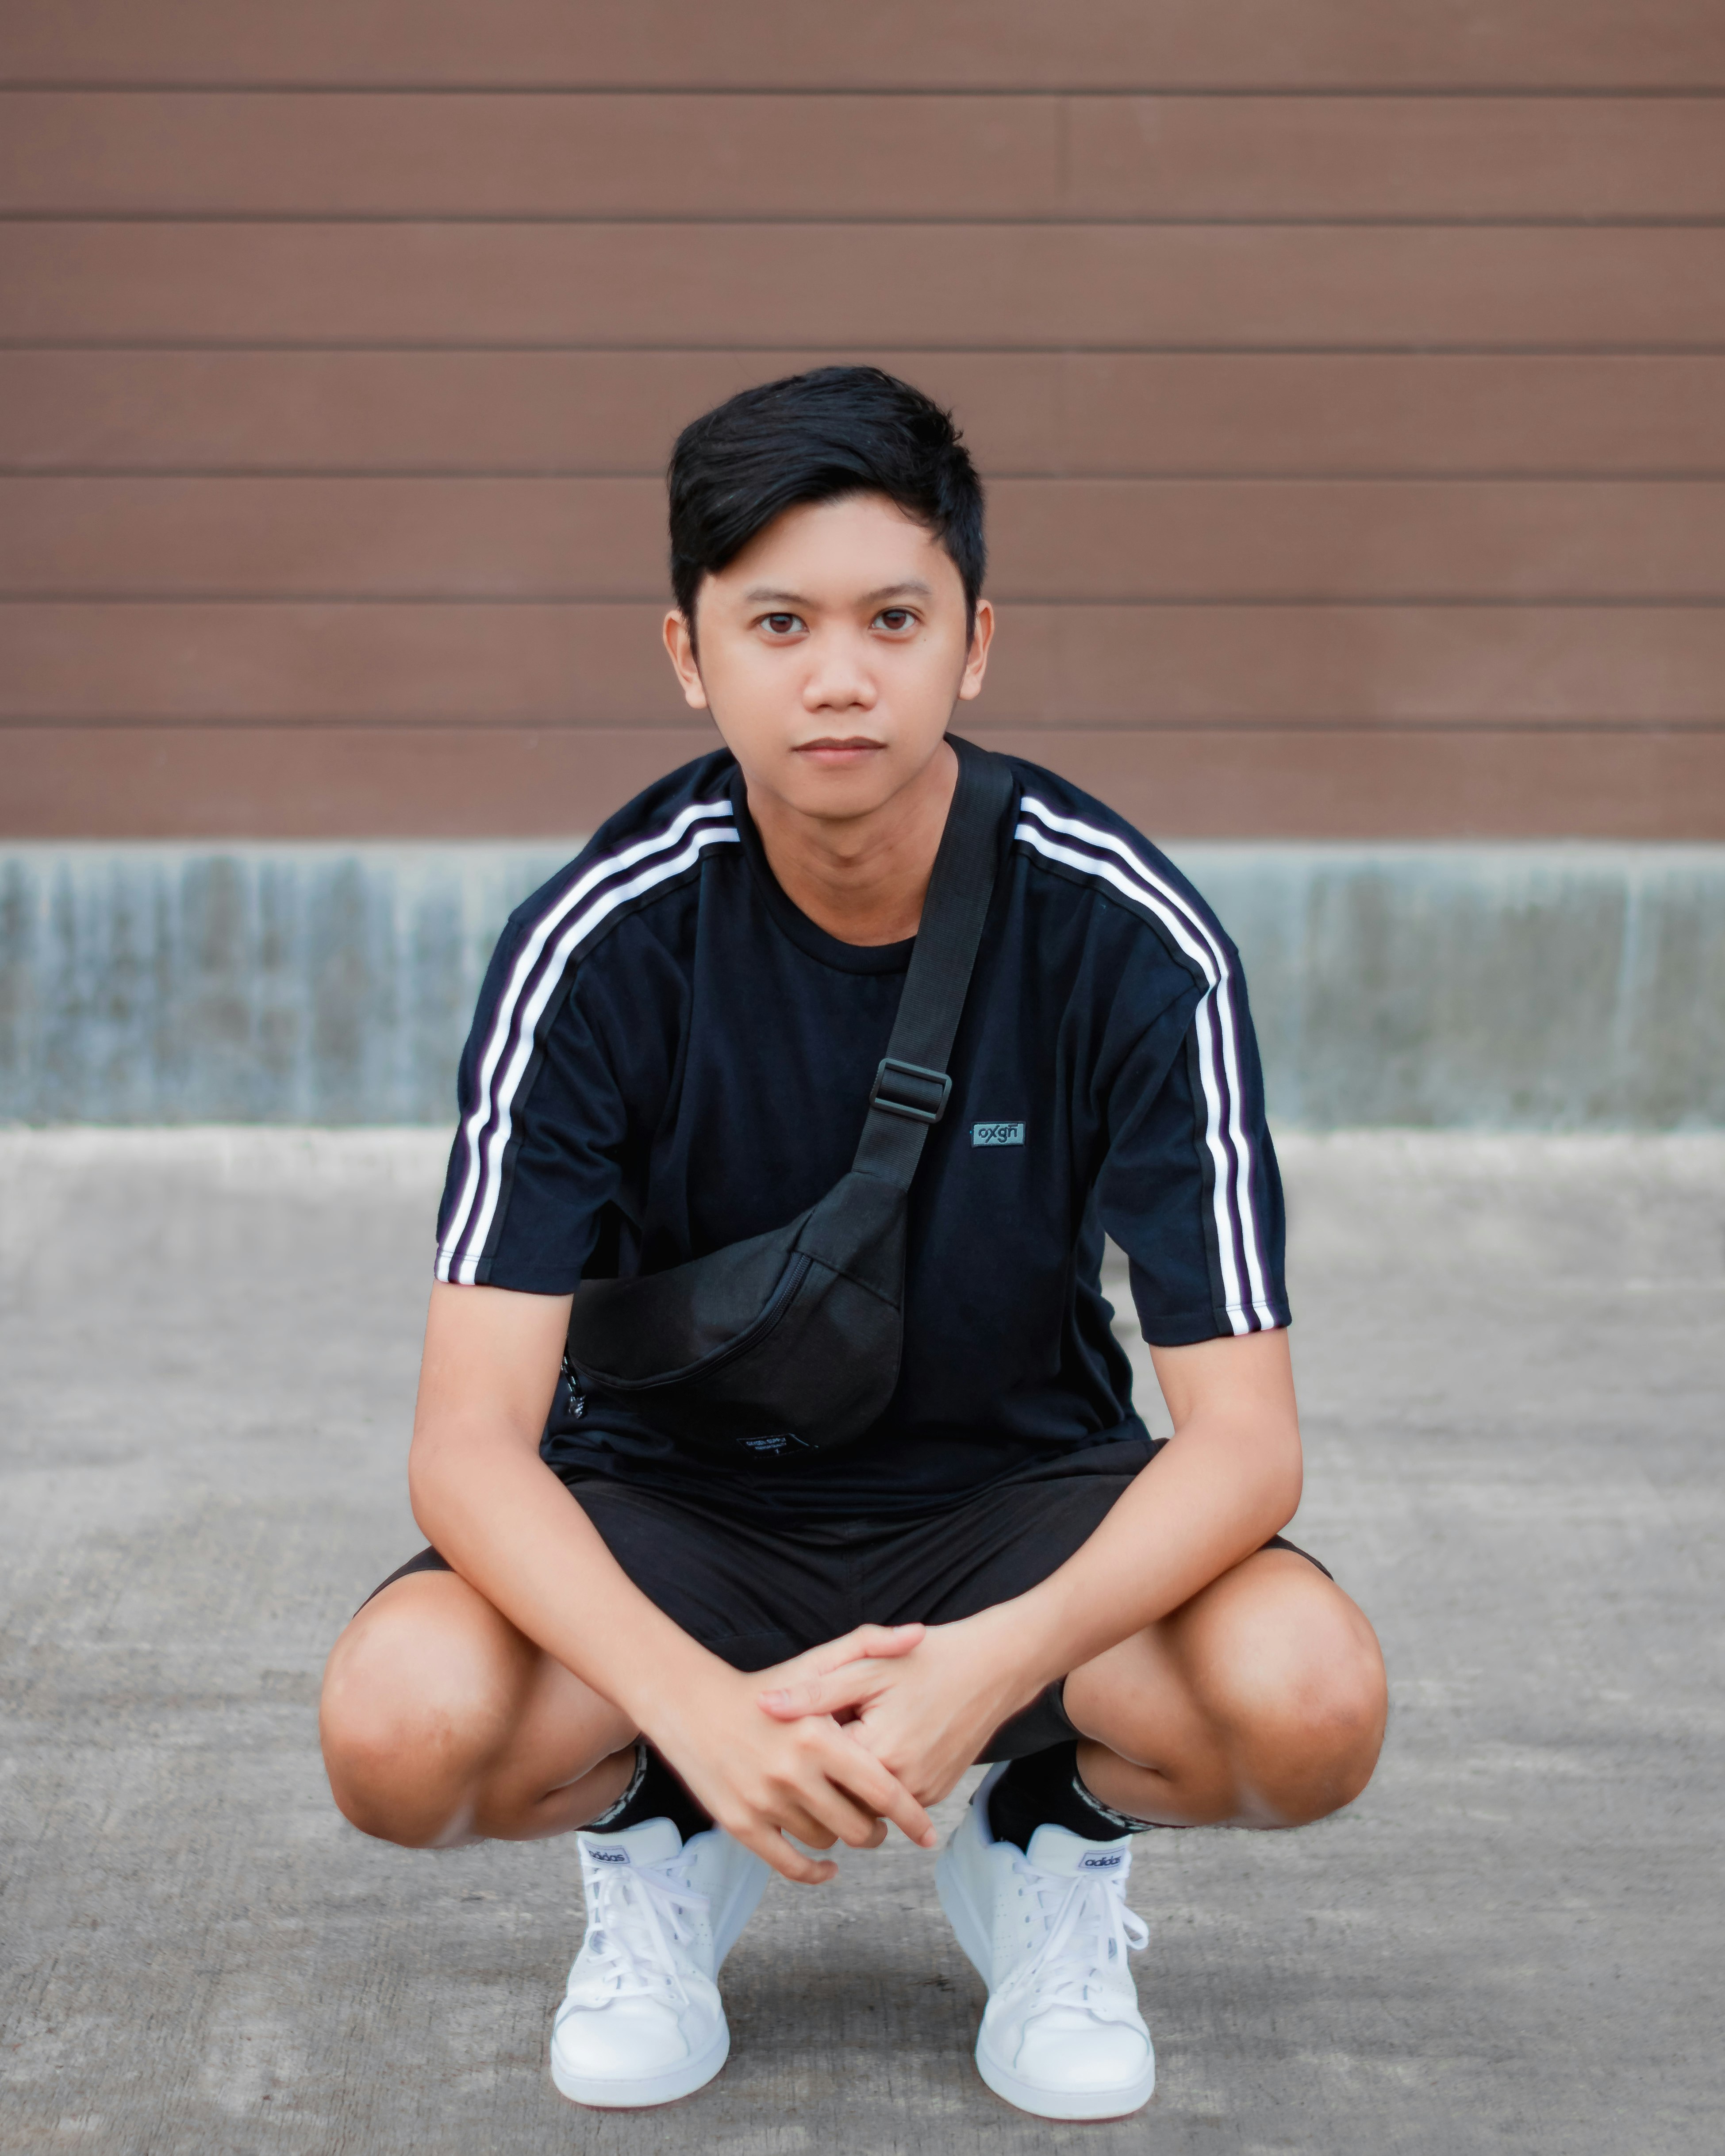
{"points": [[1230, 1481], [483, 1497]]}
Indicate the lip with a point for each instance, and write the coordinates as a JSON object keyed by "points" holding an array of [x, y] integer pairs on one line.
{"points": [[828, 751]]}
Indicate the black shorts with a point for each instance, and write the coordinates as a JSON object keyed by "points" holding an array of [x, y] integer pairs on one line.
{"points": [[756, 1595]]}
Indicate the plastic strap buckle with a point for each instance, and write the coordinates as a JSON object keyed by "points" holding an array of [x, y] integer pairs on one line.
{"points": [[908, 1089]]}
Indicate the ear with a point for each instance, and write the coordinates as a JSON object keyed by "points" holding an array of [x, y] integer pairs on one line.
{"points": [[976, 659], [680, 645]]}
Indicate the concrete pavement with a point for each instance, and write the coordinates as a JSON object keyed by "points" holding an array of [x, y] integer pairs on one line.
{"points": [[1513, 1360]]}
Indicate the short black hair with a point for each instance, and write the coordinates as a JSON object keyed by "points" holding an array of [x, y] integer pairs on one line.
{"points": [[816, 437]]}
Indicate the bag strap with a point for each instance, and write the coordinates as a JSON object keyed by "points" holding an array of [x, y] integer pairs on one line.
{"points": [[911, 1089]]}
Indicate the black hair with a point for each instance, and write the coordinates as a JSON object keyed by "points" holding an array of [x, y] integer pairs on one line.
{"points": [[815, 437]]}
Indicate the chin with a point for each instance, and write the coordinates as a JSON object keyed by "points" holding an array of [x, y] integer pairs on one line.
{"points": [[842, 786], [839, 802]]}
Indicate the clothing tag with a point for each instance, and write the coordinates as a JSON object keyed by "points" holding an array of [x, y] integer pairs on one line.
{"points": [[783, 1440], [996, 1134]]}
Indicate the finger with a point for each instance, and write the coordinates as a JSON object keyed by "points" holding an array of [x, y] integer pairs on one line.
{"points": [[806, 1802], [839, 1688], [824, 1813], [867, 1779], [793, 1819], [770, 1845], [872, 1643], [867, 1643]]}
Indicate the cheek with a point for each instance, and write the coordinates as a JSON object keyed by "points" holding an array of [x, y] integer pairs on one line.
{"points": [[752, 676], [927, 675]]}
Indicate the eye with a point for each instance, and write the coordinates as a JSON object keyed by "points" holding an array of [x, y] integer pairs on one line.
{"points": [[895, 620], [780, 625]]}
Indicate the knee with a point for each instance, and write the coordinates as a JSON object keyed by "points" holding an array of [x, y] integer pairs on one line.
{"points": [[407, 1721], [1305, 1714], [1337, 1715]]}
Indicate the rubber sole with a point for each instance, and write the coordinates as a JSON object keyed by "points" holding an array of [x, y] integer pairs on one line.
{"points": [[1047, 2103], [608, 2095]]}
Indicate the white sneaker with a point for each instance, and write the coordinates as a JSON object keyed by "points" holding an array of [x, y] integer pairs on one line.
{"points": [[1049, 1933], [642, 2022]]}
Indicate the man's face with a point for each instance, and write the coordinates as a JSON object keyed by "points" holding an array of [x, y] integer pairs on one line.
{"points": [[831, 651]]}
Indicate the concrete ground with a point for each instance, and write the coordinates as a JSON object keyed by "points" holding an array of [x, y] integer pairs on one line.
{"points": [[1512, 1361]]}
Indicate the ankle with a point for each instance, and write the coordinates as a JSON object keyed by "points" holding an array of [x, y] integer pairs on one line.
{"points": [[652, 1791], [1045, 1789]]}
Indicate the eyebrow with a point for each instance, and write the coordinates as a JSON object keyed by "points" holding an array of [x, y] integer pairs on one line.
{"points": [[757, 594]]}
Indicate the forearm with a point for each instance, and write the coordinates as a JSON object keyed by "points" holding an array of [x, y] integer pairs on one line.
{"points": [[509, 1526], [1219, 1491]]}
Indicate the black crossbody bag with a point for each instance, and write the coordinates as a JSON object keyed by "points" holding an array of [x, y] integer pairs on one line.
{"points": [[792, 1339]]}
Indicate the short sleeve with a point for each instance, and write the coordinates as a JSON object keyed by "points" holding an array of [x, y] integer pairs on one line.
{"points": [[535, 1158], [1189, 1186]]}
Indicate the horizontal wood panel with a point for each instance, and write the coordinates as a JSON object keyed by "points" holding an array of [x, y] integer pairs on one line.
{"points": [[973, 286], [1049, 539], [190, 781], [1063, 666], [206, 154], [1106, 44], [1099, 412]]}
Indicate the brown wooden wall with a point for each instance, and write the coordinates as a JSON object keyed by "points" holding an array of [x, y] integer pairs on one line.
{"points": [[1349, 376]]}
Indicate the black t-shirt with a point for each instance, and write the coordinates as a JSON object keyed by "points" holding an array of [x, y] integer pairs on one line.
{"points": [[668, 1056]]}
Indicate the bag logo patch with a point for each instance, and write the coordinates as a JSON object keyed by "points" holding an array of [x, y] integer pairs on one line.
{"points": [[996, 1134]]}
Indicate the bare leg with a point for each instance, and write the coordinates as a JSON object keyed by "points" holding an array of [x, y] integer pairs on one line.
{"points": [[1261, 1702], [442, 1724]]}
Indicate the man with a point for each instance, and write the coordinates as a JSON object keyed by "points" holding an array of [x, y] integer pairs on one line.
{"points": [[699, 1663]]}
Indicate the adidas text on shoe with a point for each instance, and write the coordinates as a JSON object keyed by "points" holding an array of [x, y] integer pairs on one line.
{"points": [[641, 2022], [1049, 1933]]}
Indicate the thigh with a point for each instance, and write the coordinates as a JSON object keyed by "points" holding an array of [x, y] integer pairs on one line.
{"points": [[1273, 1645], [427, 1648], [441, 1722]]}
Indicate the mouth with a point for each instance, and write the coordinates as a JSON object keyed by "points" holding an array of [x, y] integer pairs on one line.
{"points": [[836, 752]]}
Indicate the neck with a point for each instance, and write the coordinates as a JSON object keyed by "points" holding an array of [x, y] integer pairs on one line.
{"points": [[864, 878]]}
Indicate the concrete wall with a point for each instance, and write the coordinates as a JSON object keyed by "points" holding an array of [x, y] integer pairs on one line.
{"points": [[1565, 987]]}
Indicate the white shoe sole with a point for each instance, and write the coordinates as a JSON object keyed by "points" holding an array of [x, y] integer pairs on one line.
{"points": [[607, 2094], [974, 1933], [1054, 2103]]}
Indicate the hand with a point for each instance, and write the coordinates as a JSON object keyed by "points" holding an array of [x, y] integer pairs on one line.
{"points": [[762, 1778], [926, 1712]]}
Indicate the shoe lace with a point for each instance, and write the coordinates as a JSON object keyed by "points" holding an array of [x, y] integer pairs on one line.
{"points": [[1088, 1928], [639, 1915]]}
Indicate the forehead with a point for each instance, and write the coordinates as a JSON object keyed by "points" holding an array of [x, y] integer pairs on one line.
{"points": [[856, 544]]}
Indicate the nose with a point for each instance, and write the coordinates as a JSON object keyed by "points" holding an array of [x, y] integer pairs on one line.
{"points": [[838, 678]]}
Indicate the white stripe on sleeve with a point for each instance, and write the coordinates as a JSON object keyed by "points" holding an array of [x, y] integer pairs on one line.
{"points": [[509, 1043], [1235, 1179]]}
